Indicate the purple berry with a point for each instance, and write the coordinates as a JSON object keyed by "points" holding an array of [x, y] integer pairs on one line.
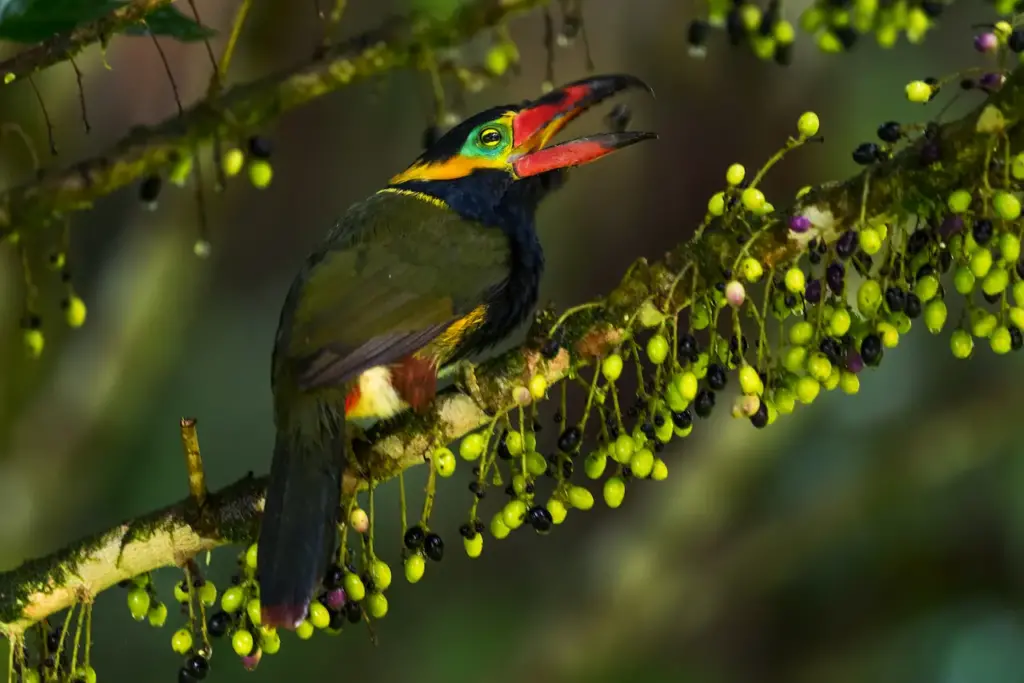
{"points": [[986, 42], [951, 225], [812, 292], [335, 599], [835, 276], [799, 224], [992, 81], [854, 363]]}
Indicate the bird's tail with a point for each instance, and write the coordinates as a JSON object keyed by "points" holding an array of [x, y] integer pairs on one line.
{"points": [[299, 527]]}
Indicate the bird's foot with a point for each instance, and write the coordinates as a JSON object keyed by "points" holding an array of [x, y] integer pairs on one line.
{"points": [[465, 373]]}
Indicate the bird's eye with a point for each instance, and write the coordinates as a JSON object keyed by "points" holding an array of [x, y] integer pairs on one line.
{"points": [[490, 137]]}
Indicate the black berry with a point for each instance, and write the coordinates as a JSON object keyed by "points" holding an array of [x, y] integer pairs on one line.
{"points": [[414, 537], [433, 547]]}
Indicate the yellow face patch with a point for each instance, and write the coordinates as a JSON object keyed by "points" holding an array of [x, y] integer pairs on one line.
{"points": [[487, 146]]}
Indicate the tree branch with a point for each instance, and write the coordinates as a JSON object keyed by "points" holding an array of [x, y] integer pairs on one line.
{"points": [[148, 150], [64, 46], [897, 188]]}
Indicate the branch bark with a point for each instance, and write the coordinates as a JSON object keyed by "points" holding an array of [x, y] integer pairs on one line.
{"points": [[899, 187], [64, 46]]}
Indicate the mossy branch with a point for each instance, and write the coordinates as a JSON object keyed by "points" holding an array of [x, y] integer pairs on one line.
{"points": [[397, 44], [64, 46], [898, 187]]}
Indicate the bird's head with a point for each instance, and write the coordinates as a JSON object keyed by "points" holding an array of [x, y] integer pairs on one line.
{"points": [[501, 156]]}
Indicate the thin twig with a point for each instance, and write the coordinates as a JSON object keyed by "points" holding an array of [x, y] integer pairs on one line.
{"points": [[81, 95], [170, 74], [46, 117]]}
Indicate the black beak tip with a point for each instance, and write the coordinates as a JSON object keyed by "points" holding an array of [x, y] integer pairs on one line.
{"points": [[605, 86]]}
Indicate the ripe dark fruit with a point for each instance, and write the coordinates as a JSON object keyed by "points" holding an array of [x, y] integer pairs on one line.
{"points": [[540, 519], [835, 277], [913, 306], [198, 666], [1016, 338], [334, 578], [760, 418], [895, 299], [218, 624], [185, 676], [260, 147], [688, 346], [149, 190], [352, 612], [982, 231], [716, 377], [682, 419], [704, 403], [697, 33], [889, 132], [1016, 40], [871, 349], [812, 292], [866, 153], [433, 547], [550, 348], [569, 440], [846, 244], [466, 531], [414, 537]]}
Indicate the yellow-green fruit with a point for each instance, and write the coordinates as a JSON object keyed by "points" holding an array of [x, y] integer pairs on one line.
{"points": [[513, 514], [595, 464], [964, 280], [734, 174], [319, 616], [995, 282], [232, 162], [935, 315], [242, 643], [251, 553], [474, 545], [807, 389], [849, 382], [514, 443], [688, 385], [614, 491], [252, 609], [497, 60], [751, 269], [444, 462], [261, 173], [801, 333], [795, 358], [157, 615], [1016, 316], [795, 281], [181, 641], [657, 349], [870, 241], [716, 205], [232, 599], [785, 400], [926, 288], [377, 605], [1000, 340], [472, 446], [750, 381], [34, 342], [498, 527], [611, 367], [415, 565], [959, 201], [270, 642], [889, 334], [642, 462], [983, 323], [580, 498], [1006, 205], [660, 471], [1009, 247], [808, 122], [819, 366], [538, 387], [138, 603], [981, 262], [557, 509], [840, 322], [380, 572], [304, 630], [208, 593], [74, 311], [961, 343]]}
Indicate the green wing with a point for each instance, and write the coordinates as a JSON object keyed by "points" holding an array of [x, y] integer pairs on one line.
{"points": [[395, 273]]}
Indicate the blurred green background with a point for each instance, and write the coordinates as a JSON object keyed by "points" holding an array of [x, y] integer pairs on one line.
{"points": [[877, 538]]}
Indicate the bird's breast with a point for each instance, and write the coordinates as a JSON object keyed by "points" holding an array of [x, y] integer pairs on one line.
{"points": [[374, 395]]}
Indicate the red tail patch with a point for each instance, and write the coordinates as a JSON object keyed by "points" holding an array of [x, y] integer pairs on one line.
{"points": [[415, 380]]}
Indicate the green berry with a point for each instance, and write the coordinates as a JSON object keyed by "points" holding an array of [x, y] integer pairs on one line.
{"points": [[622, 449], [557, 509], [497, 60], [444, 462], [688, 386], [801, 333], [611, 367], [580, 498], [818, 366], [795, 280], [472, 446], [660, 471], [1018, 293], [869, 297], [1016, 316], [959, 201], [474, 545], [1006, 205], [354, 587], [304, 630], [1009, 247], [614, 491], [795, 358], [252, 609], [961, 343], [232, 162], [138, 603], [270, 642], [498, 527], [753, 199], [1017, 166], [983, 323], [657, 349], [785, 400], [918, 91], [415, 565], [734, 174], [807, 389], [242, 642], [870, 240], [514, 443], [181, 641], [832, 381], [260, 175], [536, 464], [157, 615], [380, 572], [849, 382], [208, 593], [840, 322], [750, 381], [232, 599], [751, 269], [981, 262], [377, 604], [807, 124], [963, 280], [250, 556], [180, 592], [995, 282], [716, 205], [926, 288], [594, 465], [935, 315], [642, 462], [319, 617], [513, 514], [889, 334], [1000, 340]]}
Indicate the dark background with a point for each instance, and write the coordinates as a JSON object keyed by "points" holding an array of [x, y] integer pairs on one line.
{"points": [[876, 538]]}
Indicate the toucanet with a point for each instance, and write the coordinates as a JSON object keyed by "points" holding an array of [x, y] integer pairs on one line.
{"points": [[441, 264]]}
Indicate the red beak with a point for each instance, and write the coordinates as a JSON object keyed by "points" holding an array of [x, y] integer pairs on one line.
{"points": [[539, 121]]}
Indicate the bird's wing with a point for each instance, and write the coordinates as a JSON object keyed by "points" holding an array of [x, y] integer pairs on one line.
{"points": [[390, 289]]}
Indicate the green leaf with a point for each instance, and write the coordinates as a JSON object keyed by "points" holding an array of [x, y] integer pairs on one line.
{"points": [[32, 21], [169, 21]]}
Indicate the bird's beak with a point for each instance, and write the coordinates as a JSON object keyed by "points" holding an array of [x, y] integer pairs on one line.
{"points": [[537, 122]]}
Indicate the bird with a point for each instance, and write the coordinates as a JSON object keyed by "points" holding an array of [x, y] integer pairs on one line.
{"points": [[441, 264]]}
